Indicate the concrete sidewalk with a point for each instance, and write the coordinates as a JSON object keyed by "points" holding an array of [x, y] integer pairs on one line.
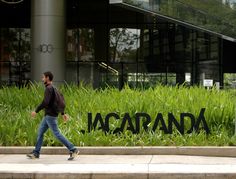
{"points": [[117, 166]]}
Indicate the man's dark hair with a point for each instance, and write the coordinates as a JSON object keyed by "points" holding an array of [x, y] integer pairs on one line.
{"points": [[49, 75]]}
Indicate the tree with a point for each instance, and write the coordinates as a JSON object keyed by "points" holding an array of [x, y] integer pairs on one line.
{"points": [[122, 42]]}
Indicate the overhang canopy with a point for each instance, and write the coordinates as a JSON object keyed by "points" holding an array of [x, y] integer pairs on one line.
{"points": [[183, 14]]}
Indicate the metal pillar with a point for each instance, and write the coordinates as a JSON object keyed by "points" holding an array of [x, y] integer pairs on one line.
{"points": [[101, 39], [48, 39]]}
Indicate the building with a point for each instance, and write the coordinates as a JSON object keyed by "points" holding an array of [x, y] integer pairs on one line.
{"points": [[117, 42]]}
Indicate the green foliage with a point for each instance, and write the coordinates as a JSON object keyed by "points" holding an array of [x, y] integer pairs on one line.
{"points": [[18, 128]]}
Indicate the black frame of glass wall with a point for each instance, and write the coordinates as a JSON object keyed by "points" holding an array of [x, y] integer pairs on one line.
{"points": [[167, 52]]}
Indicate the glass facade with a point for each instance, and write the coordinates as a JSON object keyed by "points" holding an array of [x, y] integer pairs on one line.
{"points": [[14, 56], [80, 55], [141, 50], [165, 55], [214, 15]]}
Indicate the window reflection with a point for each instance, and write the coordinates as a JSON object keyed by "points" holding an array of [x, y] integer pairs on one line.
{"points": [[14, 56]]}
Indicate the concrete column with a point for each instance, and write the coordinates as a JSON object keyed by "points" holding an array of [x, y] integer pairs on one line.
{"points": [[48, 39]]}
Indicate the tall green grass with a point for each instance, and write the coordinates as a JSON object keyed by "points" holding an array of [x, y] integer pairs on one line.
{"points": [[18, 128]]}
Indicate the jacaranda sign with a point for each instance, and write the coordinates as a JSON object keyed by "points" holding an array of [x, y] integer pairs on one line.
{"points": [[144, 121]]}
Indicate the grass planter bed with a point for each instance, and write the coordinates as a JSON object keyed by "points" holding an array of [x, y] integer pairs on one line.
{"points": [[17, 128]]}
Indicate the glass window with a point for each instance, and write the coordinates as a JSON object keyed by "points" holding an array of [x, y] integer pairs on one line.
{"points": [[14, 56], [80, 44], [230, 80], [124, 44]]}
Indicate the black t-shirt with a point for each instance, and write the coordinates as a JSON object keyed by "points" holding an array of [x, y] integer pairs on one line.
{"points": [[47, 103]]}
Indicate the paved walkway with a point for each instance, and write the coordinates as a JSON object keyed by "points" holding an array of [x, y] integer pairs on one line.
{"points": [[118, 166]]}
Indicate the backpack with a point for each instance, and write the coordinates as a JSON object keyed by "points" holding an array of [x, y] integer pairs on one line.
{"points": [[59, 101]]}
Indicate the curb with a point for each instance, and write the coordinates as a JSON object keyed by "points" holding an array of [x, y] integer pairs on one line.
{"points": [[195, 151]]}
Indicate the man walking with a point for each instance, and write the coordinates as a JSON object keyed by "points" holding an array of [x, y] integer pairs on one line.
{"points": [[50, 120]]}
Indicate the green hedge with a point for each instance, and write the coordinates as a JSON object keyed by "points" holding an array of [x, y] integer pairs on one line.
{"points": [[18, 128]]}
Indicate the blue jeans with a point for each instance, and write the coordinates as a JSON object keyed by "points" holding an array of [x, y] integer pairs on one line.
{"points": [[51, 122]]}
